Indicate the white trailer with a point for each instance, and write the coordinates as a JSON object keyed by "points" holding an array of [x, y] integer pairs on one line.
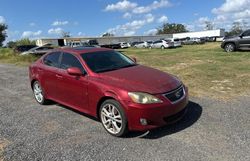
{"points": [[201, 34]]}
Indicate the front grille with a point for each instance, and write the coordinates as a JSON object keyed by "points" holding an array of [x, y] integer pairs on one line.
{"points": [[175, 95]]}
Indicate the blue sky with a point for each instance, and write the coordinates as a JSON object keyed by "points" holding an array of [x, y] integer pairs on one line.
{"points": [[37, 19]]}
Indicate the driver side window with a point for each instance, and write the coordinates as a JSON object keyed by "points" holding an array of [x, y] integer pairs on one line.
{"points": [[69, 60]]}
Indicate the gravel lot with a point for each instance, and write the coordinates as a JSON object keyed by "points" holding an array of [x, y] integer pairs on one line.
{"points": [[211, 130]]}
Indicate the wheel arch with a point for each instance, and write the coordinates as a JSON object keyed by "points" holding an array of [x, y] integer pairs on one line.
{"points": [[230, 42], [32, 82], [104, 98]]}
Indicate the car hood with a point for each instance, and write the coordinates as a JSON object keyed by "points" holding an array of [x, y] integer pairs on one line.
{"points": [[140, 78]]}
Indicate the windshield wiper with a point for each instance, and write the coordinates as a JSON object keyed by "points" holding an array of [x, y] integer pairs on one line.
{"points": [[116, 68], [106, 70], [129, 65]]}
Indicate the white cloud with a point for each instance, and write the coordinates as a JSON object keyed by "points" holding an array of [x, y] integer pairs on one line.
{"points": [[155, 5], [29, 34], [126, 6], [231, 11], [231, 6], [130, 28], [149, 18], [80, 34], [121, 6], [2, 19], [162, 19], [151, 32], [127, 15], [56, 31], [59, 23], [129, 33]]}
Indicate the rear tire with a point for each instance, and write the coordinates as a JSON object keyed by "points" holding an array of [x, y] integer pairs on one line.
{"points": [[113, 118], [39, 94], [229, 47]]}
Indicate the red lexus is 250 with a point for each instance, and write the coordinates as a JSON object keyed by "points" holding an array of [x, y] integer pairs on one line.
{"points": [[110, 86]]}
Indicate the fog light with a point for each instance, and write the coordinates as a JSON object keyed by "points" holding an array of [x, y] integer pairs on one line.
{"points": [[143, 121]]}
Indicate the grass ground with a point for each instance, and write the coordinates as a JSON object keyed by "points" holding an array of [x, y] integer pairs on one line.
{"points": [[206, 69]]}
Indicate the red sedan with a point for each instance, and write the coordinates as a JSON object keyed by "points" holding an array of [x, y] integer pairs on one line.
{"points": [[110, 86]]}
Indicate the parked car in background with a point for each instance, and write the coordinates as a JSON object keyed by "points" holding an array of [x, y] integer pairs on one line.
{"points": [[112, 46], [163, 44], [150, 43], [110, 86], [23, 48], [176, 42], [132, 44], [241, 41], [193, 40], [124, 45], [141, 44], [38, 50]]}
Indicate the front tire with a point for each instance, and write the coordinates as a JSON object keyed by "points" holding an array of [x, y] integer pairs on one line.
{"points": [[39, 94], [230, 47], [113, 118]]}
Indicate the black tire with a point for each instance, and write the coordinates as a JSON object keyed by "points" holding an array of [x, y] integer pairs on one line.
{"points": [[42, 100], [124, 123], [229, 47], [162, 47]]}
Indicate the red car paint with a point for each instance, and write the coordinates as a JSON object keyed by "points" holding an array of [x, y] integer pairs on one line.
{"points": [[85, 93]]}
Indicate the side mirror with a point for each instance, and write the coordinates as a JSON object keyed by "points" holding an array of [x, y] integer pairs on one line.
{"points": [[74, 71], [134, 59]]}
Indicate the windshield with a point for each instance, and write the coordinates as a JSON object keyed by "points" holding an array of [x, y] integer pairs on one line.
{"points": [[103, 61]]}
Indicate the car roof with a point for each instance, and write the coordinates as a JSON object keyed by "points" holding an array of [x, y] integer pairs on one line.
{"points": [[82, 50]]}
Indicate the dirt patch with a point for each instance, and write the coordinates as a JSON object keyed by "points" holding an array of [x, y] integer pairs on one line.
{"points": [[3, 144]]}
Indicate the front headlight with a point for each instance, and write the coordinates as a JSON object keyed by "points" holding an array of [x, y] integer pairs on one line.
{"points": [[143, 98]]}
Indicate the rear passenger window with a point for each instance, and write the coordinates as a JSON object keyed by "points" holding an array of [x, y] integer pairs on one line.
{"points": [[69, 60], [52, 59]]}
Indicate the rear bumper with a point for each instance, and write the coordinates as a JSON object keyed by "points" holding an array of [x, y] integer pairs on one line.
{"points": [[157, 115]]}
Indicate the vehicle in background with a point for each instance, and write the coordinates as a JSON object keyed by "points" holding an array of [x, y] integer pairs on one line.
{"points": [[237, 42], [176, 42], [163, 44], [124, 45], [132, 44], [112, 46], [23, 48], [150, 43], [41, 50], [74, 44], [141, 44], [193, 40]]}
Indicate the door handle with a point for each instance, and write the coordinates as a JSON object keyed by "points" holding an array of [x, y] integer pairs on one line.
{"points": [[58, 76]]}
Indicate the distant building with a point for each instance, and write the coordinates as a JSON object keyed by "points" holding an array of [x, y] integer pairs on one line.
{"points": [[129, 39]]}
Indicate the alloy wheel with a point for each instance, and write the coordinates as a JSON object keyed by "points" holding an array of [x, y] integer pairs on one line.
{"points": [[111, 119], [38, 93]]}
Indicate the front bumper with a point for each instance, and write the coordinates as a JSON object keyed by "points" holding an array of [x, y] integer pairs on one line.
{"points": [[157, 115]]}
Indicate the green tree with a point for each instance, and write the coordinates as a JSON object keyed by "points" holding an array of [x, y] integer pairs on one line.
{"points": [[237, 28], [25, 41], [11, 44], [3, 34], [171, 28]]}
